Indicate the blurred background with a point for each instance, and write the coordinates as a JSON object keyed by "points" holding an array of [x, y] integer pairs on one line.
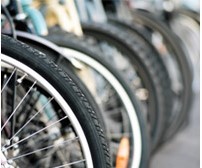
{"points": [[183, 151]]}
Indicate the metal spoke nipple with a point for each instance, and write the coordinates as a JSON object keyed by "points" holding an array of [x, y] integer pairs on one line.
{"points": [[19, 81]]}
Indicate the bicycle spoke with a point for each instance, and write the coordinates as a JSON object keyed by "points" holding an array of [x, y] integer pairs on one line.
{"points": [[26, 108], [72, 163], [13, 98], [45, 148], [14, 70], [29, 108], [36, 133], [18, 105], [40, 110]]}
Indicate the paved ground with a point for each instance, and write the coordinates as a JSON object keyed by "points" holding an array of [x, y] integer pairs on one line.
{"points": [[183, 151]]}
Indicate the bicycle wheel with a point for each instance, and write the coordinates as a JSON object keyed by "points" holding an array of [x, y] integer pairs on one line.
{"points": [[137, 33], [121, 112], [178, 65], [144, 70], [46, 119]]}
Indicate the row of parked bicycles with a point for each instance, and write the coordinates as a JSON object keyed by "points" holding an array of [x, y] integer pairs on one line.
{"points": [[94, 83]]}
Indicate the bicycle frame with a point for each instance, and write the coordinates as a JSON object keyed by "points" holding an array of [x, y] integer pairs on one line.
{"points": [[65, 15], [36, 18]]}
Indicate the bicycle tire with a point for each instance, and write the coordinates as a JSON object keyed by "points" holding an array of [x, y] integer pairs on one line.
{"points": [[69, 69], [141, 17], [68, 91]]}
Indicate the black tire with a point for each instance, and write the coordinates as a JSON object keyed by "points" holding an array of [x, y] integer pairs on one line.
{"points": [[68, 68], [84, 46], [68, 90], [149, 67], [146, 19]]}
